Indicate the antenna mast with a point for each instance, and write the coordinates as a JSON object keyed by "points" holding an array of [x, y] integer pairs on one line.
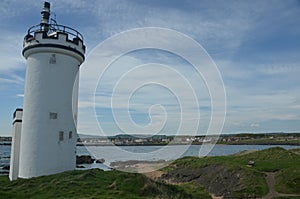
{"points": [[45, 17]]}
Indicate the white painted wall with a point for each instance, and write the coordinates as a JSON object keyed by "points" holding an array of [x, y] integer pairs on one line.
{"points": [[49, 87], [15, 148]]}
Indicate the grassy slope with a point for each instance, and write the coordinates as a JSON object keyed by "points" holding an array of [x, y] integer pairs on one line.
{"points": [[116, 184], [285, 163], [89, 184]]}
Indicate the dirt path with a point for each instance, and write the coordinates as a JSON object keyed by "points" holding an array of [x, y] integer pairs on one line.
{"points": [[154, 175], [270, 179]]}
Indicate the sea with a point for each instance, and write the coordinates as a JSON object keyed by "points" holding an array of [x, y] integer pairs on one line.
{"points": [[149, 153]]}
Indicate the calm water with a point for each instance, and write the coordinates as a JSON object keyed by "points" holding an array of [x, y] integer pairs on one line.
{"points": [[4, 155], [122, 153]]}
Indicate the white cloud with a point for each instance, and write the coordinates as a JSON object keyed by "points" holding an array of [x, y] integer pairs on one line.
{"points": [[259, 89], [279, 69], [145, 96], [11, 48], [255, 125], [20, 95]]}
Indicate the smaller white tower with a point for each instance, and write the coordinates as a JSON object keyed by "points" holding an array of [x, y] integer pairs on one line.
{"points": [[15, 148]]}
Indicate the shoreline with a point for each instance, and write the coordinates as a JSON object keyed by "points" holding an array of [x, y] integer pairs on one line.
{"points": [[176, 144]]}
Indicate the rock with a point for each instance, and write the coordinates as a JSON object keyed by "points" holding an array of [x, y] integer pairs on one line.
{"points": [[4, 172], [80, 167], [216, 179], [100, 161], [84, 159], [5, 157], [6, 168], [251, 163]]}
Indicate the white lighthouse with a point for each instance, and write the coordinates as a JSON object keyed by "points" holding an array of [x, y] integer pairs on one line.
{"points": [[48, 138]]}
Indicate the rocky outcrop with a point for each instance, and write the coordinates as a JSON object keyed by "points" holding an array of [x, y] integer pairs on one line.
{"points": [[84, 159], [100, 161], [216, 179], [6, 168]]}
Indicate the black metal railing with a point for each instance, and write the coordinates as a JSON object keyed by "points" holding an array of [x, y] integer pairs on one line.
{"points": [[51, 28]]}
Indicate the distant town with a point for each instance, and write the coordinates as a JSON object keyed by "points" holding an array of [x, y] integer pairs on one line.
{"points": [[144, 140]]}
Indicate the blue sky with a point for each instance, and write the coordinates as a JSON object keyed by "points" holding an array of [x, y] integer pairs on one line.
{"points": [[255, 45]]}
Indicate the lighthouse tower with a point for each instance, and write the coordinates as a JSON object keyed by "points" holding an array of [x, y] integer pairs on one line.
{"points": [[53, 56]]}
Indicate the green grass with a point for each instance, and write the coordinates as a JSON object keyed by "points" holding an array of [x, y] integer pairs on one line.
{"points": [[288, 180], [268, 160], [89, 184], [284, 162], [116, 184], [194, 190]]}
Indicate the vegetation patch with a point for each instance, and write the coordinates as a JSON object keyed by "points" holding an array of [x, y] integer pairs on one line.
{"points": [[189, 177], [89, 184], [232, 176], [288, 180]]}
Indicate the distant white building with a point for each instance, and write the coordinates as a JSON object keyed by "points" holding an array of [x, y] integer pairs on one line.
{"points": [[47, 139]]}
